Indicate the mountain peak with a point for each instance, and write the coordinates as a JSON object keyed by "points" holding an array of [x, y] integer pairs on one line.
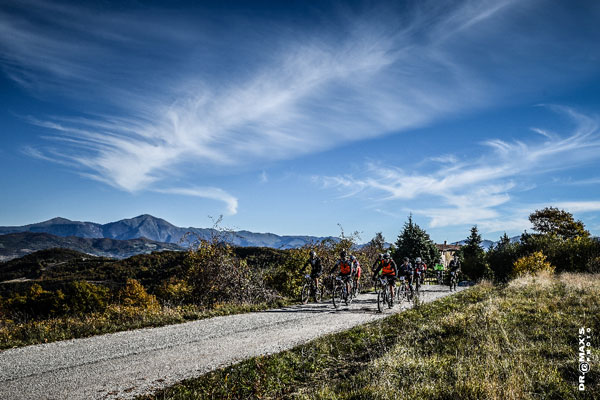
{"points": [[57, 220]]}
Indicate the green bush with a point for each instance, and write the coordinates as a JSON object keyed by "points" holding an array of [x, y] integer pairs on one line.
{"points": [[82, 297]]}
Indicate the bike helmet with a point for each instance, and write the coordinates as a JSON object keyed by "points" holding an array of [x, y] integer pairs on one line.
{"points": [[406, 259], [386, 255], [418, 259], [353, 258], [313, 253], [380, 255], [343, 253]]}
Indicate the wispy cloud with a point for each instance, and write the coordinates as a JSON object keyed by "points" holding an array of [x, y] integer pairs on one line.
{"points": [[472, 192], [579, 206], [303, 90], [207, 193]]}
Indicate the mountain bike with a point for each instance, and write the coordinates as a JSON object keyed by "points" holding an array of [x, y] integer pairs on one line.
{"points": [[309, 289], [453, 280], [417, 279], [405, 292], [340, 293], [383, 294], [356, 288]]}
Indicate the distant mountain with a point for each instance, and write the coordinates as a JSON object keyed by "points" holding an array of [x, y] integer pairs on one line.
{"points": [[156, 229], [15, 245], [487, 244]]}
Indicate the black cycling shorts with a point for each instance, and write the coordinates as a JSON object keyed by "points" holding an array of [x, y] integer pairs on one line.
{"points": [[316, 274], [390, 278]]}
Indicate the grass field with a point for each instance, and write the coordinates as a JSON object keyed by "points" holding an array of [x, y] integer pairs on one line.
{"points": [[518, 341]]}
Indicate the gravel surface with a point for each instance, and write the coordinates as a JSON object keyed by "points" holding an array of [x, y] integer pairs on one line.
{"points": [[127, 364]]}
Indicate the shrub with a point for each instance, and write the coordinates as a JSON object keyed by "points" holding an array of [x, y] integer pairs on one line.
{"points": [[531, 265], [216, 275], [35, 303], [135, 295], [82, 297], [175, 291], [593, 265]]}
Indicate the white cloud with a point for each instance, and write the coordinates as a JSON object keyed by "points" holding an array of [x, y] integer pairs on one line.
{"points": [[208, 193], [579, 206], [476, 192]]}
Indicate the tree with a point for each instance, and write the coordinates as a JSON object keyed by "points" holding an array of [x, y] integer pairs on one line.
{"points": [[474, 265], [502, 256], [414, 242], [377, 244], [552, 221]]}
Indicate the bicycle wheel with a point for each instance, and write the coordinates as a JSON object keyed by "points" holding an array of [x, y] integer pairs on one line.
{"points": [[336, 296], [319, 294], [409, 294], [417, 285], [305, 293], [347, 296], [380, 299]]}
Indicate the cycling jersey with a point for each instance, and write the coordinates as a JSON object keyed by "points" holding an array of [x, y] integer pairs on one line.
{"points": [[316, 267], [407, 269], [387, 267], [343, 266]]}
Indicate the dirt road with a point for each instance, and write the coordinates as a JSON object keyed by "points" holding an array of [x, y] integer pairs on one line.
{"points": [[126, 364]]}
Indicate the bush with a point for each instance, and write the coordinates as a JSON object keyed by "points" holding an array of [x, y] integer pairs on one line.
{"points": [[81, 297], [36, 303], [135, 295], [593, 265], [217, 275], [531, 265], [175, 291]]}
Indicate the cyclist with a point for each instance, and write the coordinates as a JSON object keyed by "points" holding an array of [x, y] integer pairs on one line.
{"points": [[376, 264], [407, 270], [454, 268], [389, 270], [356, 270], [316, 268], [420, 268], [344, 267]]}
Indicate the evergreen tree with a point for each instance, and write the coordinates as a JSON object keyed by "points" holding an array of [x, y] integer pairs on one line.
{"points": [[474, 265], [414, 242], [501, 258], [377, 243]]}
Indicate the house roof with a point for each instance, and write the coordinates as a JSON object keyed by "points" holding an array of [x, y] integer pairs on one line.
{"points": [[448, 247]]}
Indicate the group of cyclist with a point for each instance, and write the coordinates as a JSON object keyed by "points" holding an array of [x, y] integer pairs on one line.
{"points": [[349, 269]]}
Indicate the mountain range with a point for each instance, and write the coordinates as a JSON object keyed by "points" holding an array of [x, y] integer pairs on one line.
{"points": [[127, 237], [156, 231], [15, 245]]}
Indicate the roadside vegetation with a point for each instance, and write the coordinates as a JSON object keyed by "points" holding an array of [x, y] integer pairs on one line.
{"points": [[514, 341]]}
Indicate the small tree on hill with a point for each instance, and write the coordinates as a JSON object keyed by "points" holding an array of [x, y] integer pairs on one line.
{"points": [[502, 256], [474, 265], [414, 242], [552, 221]]}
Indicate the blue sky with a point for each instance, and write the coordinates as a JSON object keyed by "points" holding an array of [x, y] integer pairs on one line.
{"points": [[294, 117]]}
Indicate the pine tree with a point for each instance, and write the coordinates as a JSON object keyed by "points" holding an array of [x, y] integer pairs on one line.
{"points": [[474, 265], [414, 242]]}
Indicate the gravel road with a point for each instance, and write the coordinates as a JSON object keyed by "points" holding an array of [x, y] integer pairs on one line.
{"points": [[126, 364]]}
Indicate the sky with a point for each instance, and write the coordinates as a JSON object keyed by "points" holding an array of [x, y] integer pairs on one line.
{"points": [[299, 117]]}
